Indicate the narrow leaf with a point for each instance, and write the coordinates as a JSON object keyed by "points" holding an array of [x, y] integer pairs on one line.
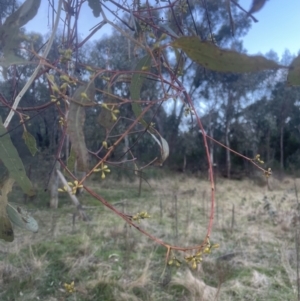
{"points": [[105, 117], [256, 6], [166, 28], [10, 158], [136, 86], [293, 78], [30, 142], [12, 59], [23, 14], [212, 57], [164, 149], [9, 32]]}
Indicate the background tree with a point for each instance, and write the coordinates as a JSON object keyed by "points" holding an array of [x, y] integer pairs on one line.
{"points": [[126, 97]]}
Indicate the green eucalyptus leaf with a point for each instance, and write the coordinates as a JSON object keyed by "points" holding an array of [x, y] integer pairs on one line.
{"points": [[212, 57], [10, 158], [11, 59], [21, 218], [23, 14], [105, 117], [136, 85], [30, 142], [9, 32], [256, 6]]}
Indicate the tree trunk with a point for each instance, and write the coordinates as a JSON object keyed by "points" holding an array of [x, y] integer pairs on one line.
{"points": [[53, 187], [172, 139], [281, 148], [228, 158], [126, 147], [268, 145], [67, 147], [228, 117], [184, 163]]}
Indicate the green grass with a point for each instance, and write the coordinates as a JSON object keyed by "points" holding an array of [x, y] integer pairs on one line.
{"points": [[109, 260]]}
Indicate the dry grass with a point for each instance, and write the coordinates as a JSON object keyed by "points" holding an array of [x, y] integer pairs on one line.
{"points": [[108, 260]]}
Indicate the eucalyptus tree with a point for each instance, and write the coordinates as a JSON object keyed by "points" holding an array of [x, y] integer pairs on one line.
{"points": [[7, 7], [115, 53], [209, 21], [283, 103], [152, 31]]}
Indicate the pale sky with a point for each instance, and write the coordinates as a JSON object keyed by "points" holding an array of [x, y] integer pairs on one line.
{"points": [[278, 27]]}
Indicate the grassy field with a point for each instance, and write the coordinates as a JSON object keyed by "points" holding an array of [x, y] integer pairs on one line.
{"points": [[108, 260]]}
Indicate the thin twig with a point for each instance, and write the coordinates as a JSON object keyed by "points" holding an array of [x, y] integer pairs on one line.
{"points": [[124, 33], [72, 196]]}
